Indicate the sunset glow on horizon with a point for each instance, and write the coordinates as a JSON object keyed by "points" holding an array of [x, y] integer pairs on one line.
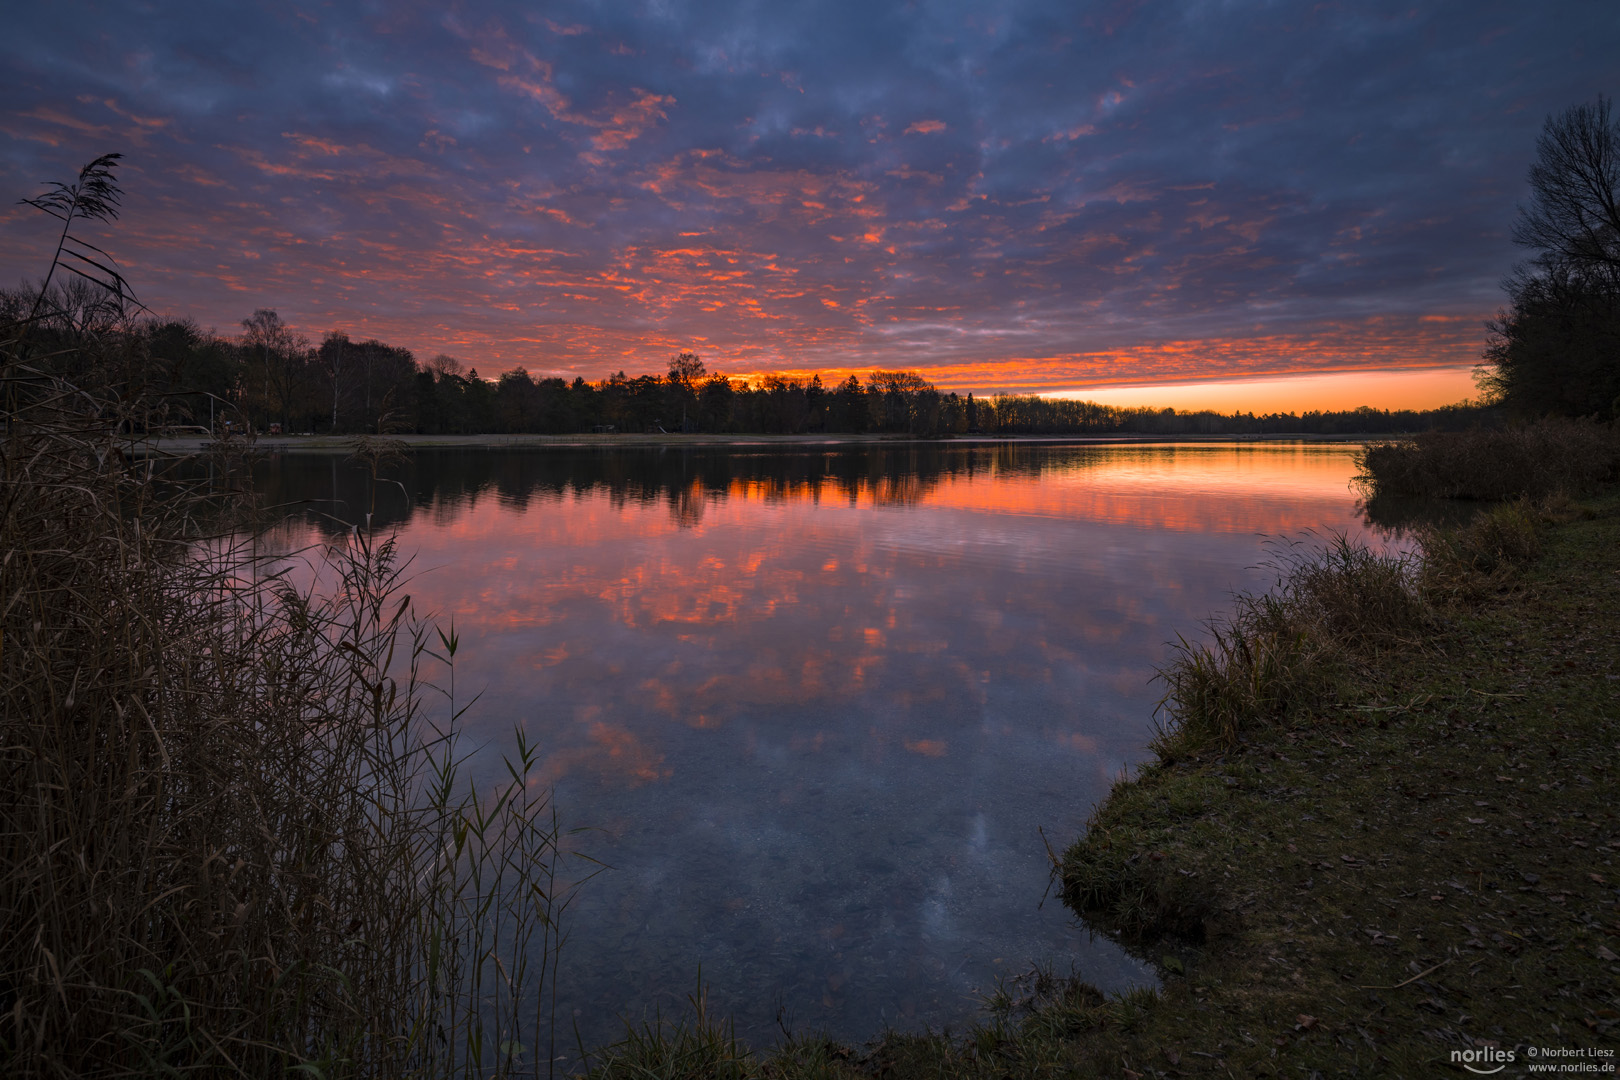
{"points": [[1043, 198], [1337, 392]]}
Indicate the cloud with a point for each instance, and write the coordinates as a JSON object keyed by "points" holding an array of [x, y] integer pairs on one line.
{"points": [[1061, 192]]}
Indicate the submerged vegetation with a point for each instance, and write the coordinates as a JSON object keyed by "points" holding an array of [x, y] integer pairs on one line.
{"points": [[238, 836]]}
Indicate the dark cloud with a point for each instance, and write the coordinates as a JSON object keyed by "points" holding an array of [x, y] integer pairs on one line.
{"points": [[1036, 195]]}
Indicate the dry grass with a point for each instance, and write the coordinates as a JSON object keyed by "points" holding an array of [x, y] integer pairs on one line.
{"points": [[1283, 650], [1534, 460], [1482, 555], [235, 840]]}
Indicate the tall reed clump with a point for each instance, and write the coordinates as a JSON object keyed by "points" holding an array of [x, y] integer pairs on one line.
{"points": [[234, 837], [1281, 650], [1532, 460]]}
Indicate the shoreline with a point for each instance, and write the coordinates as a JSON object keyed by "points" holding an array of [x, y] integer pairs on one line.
{"points": [[326, 444], [1427, 867]]}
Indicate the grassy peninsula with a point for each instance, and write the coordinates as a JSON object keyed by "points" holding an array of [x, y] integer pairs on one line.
{"points": [[1422, 867]]}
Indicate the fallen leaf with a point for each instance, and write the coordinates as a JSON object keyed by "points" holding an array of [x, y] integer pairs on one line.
{"points": [[1605, 953], [1597, 878], [1172, 1057], [1306, 1022], [1476, 821]]}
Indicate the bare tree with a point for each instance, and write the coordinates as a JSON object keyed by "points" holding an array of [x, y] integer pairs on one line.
{"points": [[269, 340], [332, 360], [1574, 215], [685, 369], [1556, 349], [445, 364]]}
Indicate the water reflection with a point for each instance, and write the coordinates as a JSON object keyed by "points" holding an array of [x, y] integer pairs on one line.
{"points": [[816, 703]]}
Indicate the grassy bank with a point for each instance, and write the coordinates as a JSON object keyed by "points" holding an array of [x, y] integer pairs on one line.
{"points": [[1424, 865]]}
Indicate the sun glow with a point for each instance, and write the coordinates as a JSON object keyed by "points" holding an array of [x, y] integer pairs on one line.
{"points": [[1422, 389]]}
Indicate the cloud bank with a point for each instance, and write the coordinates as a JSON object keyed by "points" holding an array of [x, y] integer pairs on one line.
{"points": [[1039, 196]]}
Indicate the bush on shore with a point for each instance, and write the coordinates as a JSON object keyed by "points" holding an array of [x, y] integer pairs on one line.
{"points": [[1533, 460]]}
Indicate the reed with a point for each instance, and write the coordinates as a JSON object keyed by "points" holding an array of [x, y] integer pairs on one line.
{"points": [[236, 834], [1483, 554], [698, 1046]]}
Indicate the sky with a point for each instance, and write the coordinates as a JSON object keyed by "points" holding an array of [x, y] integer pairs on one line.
{"points": [[1031, 196]]}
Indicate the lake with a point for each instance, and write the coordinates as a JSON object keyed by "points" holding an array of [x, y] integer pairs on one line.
{"points": [[817, 705]]}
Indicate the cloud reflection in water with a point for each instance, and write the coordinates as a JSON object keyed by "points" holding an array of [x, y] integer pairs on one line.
{"points": [[817, 704]]}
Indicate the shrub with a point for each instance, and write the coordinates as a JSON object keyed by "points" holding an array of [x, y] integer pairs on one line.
{"points": [[1534, 460]]}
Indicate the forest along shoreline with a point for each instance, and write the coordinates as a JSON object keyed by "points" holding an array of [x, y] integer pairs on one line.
{"points": [[331, 444], [1379, 834]]}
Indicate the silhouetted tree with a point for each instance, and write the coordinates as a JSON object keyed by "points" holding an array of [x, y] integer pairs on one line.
{"points": [[717, 399], [1556, 349], [685, 369], [276, 359], [1573, 218]]}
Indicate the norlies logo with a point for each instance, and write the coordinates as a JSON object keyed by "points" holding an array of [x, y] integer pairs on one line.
{"points": [[1487, 1056]]}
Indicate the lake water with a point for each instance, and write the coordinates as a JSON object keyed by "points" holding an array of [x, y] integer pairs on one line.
{"points": [[815, 704]]}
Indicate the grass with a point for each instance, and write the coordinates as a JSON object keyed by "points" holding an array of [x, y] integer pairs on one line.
{"points": [[1425, 865], [1331, 610]]}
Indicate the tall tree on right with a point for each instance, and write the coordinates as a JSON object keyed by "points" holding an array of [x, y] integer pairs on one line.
{"points": [[1556, 349]]}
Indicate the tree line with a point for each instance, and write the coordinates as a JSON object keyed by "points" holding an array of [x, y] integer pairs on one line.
{"points": [[270, 379]]}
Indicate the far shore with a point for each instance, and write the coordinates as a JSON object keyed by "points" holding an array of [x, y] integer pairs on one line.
{"points": [[335, 443]]}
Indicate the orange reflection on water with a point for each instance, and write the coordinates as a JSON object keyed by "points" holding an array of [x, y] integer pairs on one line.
{"points": [[917, 595], [1158, 487]]}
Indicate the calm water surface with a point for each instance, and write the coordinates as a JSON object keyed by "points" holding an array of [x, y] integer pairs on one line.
{"points": [[815, 705]]}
